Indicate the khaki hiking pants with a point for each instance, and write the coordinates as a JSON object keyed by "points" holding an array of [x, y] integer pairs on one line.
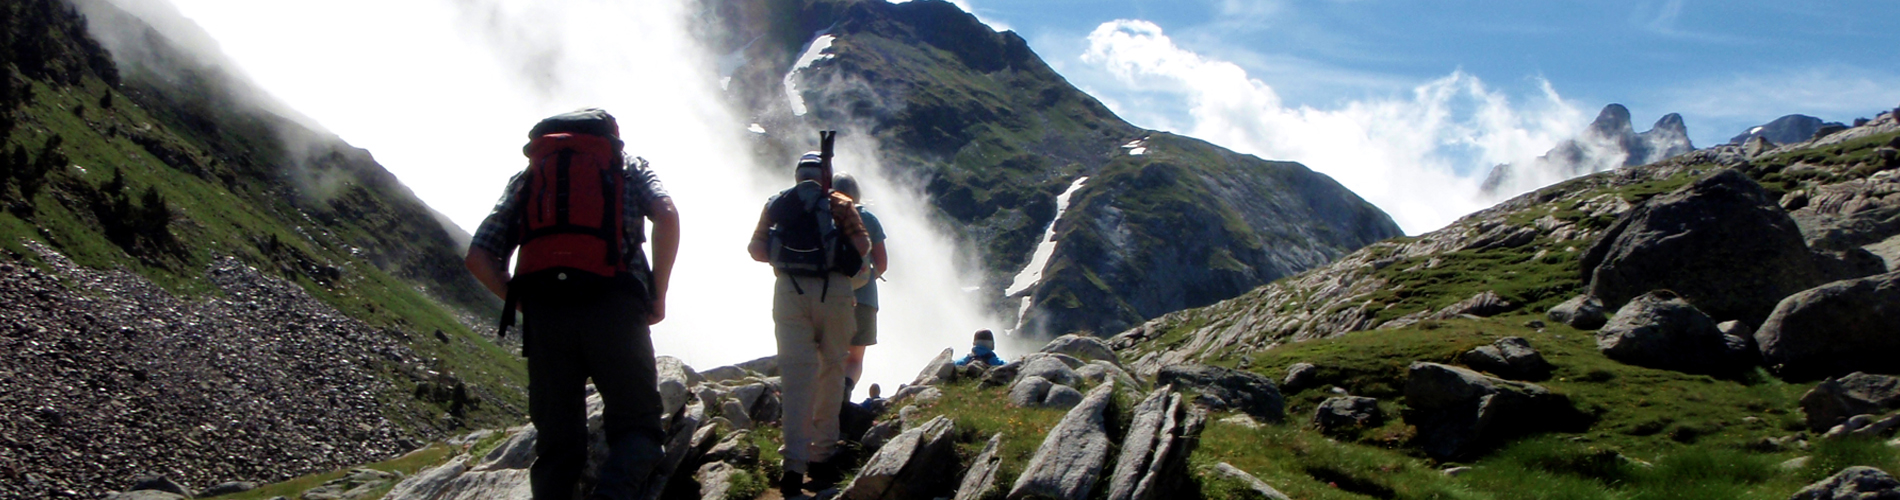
{"points": [[814, 329]]}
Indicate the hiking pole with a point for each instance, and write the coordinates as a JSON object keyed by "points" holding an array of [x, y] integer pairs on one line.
{"points": [[825, 139]]}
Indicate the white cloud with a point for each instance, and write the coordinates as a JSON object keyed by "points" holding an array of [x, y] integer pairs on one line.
{"points": [[1419, 157]]}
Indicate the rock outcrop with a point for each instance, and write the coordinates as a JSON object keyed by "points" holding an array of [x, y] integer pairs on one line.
{"points": [[1224, 389], [1834, 400], [1784, 130], [1162, 433], [1853, 483], [1344, 413], [1660, 330], [1459, 411], [911, 466], [1834, 329], [1721, 243], [1509, 357], [1258, 487], [1071, 458], [980, 479], [1582, 312], [1609, 142]]}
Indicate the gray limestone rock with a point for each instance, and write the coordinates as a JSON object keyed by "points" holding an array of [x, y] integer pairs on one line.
{"points": [[1061, 397], [735, 414], [724, 373], [1050, 368], [1341, 413], [674, 383], [1259, 487], [227, 488], [429, 482], [910, 466], [1030, 391], [159, 483], [735, 448], [980, 479], [1834, 400], [1660, 330], [1299, 377], [1853, 483], [942, 368], [148, 495], [1083, 347], [1459, 411], [1003, 375], [1720, 243], [1509, 357], [1069, 460], [1837, 328], [1162, 432], [1484, 304], [1582, 312], [1225, 389], [715, 480], [881, 433]]}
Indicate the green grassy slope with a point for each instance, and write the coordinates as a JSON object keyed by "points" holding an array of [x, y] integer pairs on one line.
{"points": [[162, 175]]}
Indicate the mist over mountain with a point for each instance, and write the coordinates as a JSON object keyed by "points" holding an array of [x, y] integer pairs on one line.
{"points": [[994, 135], [1609, 142]]}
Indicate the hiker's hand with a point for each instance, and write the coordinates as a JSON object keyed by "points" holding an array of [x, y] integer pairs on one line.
{"points": [[657, 313]]}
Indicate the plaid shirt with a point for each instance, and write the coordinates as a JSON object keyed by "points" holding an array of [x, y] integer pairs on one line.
{"points": [[499, 236]]}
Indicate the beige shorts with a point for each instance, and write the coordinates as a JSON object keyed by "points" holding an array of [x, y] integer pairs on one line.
{"points": [[867, 326]]}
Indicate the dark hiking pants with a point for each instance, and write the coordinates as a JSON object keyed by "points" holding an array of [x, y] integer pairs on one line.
{"points": [[604, 337]]}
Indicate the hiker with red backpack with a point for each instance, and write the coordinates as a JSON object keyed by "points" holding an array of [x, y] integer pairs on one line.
{"points": [[816, 243], [578, 215]]}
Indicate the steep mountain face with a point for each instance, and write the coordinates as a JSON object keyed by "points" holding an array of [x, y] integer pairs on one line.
{"points": [[203, 287], [1785, 130], [1609, 142], [1526, 253], [994, 136]]}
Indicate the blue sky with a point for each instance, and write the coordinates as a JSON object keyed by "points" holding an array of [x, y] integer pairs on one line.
{"points": [[1411, 103]]}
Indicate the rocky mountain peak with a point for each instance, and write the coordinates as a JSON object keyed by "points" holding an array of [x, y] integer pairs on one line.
{"points": [[1612, 122], [1785, 130]]}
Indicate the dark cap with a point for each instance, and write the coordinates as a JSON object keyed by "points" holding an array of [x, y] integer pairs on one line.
{"points": [[985, 335]]}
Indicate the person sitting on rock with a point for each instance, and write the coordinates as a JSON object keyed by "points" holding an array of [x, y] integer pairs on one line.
{"points": [[982, 350]]}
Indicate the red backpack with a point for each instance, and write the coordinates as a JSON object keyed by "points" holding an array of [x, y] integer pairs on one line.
{"points": [[568, 213]]}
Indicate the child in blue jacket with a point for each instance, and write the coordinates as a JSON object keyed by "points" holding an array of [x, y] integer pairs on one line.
{"points": [[984, 350]]}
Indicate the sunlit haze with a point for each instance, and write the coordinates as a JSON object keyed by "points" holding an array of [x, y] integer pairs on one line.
{"points": [[1410, 115]]}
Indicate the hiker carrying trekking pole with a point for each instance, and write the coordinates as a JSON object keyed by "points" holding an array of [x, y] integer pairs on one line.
{"points": [[816, 243], [578, 214]]}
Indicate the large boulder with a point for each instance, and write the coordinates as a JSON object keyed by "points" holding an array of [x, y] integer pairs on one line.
{"points": [[1082, 347], [942, 368], [1582, 312], [1837, 328], [910, 466], [1299, 377], [1509, 357], [1721, 243], [1062, 397], [1162, 432], [1342, 413], [1029, 391], [1660, 330], [1459, 411], [1070, 459], [1834, 400], [1049, 367], [1225, 389], [1853, 483]]}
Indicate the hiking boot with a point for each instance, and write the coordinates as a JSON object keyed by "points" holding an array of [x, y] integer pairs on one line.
{"points": [[825, 474], [790, 484]]}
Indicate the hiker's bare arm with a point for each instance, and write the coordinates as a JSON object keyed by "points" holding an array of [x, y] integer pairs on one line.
{"points": [[880, 259], [666, 247], [844, 211], [759, 236], [490, 269]]}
